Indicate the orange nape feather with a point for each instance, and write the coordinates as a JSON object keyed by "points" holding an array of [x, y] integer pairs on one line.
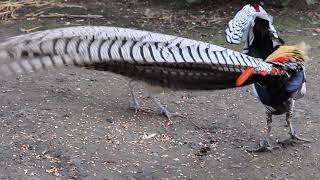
{"points": [[246, 74], [295, 53]]}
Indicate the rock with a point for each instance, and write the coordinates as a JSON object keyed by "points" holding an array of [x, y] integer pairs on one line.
{"points": [[194, 1], [110, 120], [311, 2]]}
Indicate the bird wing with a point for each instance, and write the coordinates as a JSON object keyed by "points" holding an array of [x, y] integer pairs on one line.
{"points": [[157, 59]]}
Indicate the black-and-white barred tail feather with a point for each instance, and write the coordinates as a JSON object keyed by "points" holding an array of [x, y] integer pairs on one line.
{"points": [[158, 59]]}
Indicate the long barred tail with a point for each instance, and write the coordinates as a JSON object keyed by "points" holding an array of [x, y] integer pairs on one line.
{"points": [[156, 58]]}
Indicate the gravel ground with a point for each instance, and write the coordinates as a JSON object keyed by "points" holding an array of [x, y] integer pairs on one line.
{"points": [[75, 124]]}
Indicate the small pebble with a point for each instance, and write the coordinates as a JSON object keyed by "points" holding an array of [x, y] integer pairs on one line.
{"points": [[110, 120]]}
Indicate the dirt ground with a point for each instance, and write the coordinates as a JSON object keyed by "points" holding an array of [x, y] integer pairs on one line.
{"points": [[75, 123]]}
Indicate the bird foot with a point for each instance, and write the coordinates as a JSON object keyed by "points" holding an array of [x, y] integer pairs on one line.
{"points": [[264, 146], [293, 139], [169, 114], [165, 111], [134, 105], [296, 137]]}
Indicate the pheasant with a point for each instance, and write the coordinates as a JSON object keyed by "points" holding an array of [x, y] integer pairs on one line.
{"points": [[253, 26], [158, 60]]}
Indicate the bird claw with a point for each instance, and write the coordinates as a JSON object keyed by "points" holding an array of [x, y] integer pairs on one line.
{"points": [[136, 107], [264, 146], [296, 137], [293, 139], [169, 114]]}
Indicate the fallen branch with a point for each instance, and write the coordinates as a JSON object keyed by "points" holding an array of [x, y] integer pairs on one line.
{"points": [[29, 30], [8, 9], [58, 15]]}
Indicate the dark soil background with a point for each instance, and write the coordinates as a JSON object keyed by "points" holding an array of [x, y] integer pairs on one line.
{"points": [[75, 124]]}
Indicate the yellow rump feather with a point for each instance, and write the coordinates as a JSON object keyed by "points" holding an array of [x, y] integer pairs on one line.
{"points": [[296, 53]]}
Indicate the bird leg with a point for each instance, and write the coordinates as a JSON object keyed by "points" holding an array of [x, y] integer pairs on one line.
{"points": [[264, 144], [294, 137], [164, 110], [134, 104], [293, 133]]}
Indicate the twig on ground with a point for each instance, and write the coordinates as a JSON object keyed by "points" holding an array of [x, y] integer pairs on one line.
{"points": [[58, 15], [9, 8], [29, 30]]}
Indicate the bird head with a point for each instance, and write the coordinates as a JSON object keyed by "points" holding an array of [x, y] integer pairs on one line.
{"points": [[261, 27]]}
